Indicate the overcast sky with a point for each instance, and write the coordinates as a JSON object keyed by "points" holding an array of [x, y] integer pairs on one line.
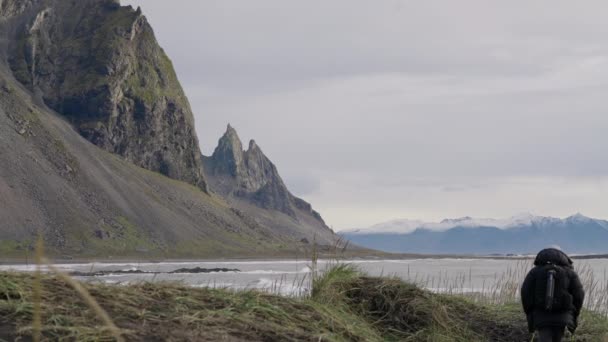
{"points": [[384, 109]]}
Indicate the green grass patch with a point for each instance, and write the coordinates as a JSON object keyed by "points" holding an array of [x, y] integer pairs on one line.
{"points": [[403, 312], [123, 238], [344, 306], [172, 312], [13, 248]]}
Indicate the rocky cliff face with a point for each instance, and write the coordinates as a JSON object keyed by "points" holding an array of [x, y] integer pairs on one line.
{"points": [[100, 66], [11, 8], [250, 175]]}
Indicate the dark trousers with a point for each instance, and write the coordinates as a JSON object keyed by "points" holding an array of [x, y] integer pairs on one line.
{"points": [[551, 334]]}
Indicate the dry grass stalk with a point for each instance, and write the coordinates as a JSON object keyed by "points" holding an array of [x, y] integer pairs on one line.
{"points": [[89, 300], [37, 321], [82, 292]]}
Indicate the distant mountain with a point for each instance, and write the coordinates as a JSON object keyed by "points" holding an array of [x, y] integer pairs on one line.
{"points": [[251, 182], [519, 234]]}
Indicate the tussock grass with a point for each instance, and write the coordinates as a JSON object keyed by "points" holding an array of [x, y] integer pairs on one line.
{"points": [[504, 287], [344, 305], [324, 286], [171, 312], [404, 312]]}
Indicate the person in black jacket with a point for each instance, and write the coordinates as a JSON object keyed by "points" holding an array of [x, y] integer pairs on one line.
{"points": [[552, 305]]}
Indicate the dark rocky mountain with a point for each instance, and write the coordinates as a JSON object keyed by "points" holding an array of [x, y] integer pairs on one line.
{"points": [[520, 235], [247, 174], [98, 152], [248, 179], [99, 65]]}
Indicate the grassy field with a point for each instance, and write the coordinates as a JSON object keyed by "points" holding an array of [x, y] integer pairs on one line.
{"points": [[344, 306]]}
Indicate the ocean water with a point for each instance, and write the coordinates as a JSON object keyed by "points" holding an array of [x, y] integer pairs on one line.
{"points": [[292, 277]]}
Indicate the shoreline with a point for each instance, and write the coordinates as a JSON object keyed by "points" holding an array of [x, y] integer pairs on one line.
{"points": [[389, 257]]}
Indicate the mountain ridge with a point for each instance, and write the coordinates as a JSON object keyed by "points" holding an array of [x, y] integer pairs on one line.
{"points": [[405, 226], [520, 234]]}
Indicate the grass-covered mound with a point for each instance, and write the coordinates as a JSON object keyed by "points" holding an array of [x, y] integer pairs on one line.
{"points": [[404, 312], [344, 306]]}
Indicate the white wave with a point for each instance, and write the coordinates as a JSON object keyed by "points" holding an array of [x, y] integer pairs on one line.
{"points": [[138, 275], [190, 273], [303, 270], [216, 285]]}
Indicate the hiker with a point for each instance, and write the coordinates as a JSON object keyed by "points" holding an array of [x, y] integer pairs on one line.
{"points": [[552, 295]]}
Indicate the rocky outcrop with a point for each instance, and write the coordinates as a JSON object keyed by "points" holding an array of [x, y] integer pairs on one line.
{"points": [[11, 8], [250, 175], [99, 65]]}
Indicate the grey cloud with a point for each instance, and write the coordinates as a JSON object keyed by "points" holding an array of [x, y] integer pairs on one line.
{"points": [[454, 188], [238, 42], [393, 100], [303, 186]]}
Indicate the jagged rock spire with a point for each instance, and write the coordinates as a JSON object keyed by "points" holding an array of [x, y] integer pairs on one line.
{"points": [[251, 175], [228, 155], [252, 145]]}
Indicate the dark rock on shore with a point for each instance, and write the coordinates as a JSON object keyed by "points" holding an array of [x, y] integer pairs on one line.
{"points": [[136, 271], [105, 273], [205, 270]]}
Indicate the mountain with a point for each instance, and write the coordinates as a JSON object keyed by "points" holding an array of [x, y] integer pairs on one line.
{"points": [[98, 64], [520, 234], [251, 182], [98, 152]]}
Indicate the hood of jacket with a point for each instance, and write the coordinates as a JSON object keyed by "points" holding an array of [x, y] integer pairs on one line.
{"points": [[552, 256]]}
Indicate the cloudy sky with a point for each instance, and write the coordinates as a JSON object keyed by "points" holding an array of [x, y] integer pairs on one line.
{"points": [[376, 110]]}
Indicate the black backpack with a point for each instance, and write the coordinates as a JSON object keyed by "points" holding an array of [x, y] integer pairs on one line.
{"points": [[552, 289]]}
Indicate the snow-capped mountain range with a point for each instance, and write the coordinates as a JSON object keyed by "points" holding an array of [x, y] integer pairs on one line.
{"points": [[405, 226], [524, 233]]}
